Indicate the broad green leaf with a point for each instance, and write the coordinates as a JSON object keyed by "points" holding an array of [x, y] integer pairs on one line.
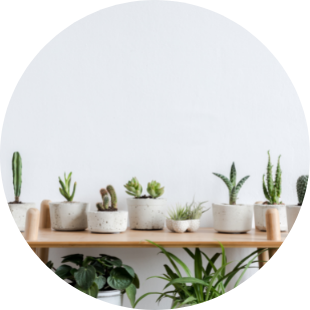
{"points": [[119, 278], [129, 270], [131, 293], [188, 300], [85, 277], [91, 291], [136, 281], [50, 264], [74, 258], [112, 260], [100, 281], [63, 271]]}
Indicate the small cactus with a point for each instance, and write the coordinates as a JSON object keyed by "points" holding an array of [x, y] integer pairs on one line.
{"points": [[272, 190], [134, 188], [104, 205], [17, 174], [231, 184], [65, 187], [301, 187], [154, 189]]}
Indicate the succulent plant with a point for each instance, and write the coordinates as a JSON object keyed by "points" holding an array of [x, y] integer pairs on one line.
{"points": [[134, 188], [104, 205], [231, 184], [191, 211], [272, 190], [154, 189], [65, 187], [17, 174], [301, 187]]}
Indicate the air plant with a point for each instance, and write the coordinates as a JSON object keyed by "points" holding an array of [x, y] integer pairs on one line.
{"points": [[191, 211], [65, 187], [105, 204], [301, 187], [17, 175]]}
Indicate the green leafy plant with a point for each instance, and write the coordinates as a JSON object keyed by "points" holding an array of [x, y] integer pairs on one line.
{"points": [[17, 175], [231, 184], [301, 187], [191, 211], [272, 190], [105, 204], [65, 187], [94, 274], [135, 189], [179, 213], [207, 282]]}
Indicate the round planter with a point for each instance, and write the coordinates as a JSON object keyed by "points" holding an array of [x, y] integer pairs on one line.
{"points": [[183, 226], [107, 221], [260, 216], [291, 214], [232, 218], [114, 297], [180, 226], [68, 216], [19, 211], [146, 214], [193, 225]]}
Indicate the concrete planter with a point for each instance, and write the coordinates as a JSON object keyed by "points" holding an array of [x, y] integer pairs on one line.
{"points": [[183, 226], [147, 213], [68, 216], [260, 216], [232, 218], [114, 297], [107, 221], [19, 211], [292, 212]]}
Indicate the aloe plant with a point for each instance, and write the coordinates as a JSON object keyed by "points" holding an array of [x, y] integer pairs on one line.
{"points": [[105, 204], [301, 187], [17, 175], [65, 187], [233, 188]]}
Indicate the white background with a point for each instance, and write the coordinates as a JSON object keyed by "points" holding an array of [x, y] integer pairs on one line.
{"points": [[233, 103]]}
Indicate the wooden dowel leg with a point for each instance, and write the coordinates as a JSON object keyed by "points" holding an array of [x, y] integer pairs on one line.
{"points": [[32, 225], [273, 228], [45, 222], [263, 258]]}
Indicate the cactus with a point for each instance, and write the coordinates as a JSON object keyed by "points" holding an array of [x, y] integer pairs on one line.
{"points": [[17, 174], [134, 188], [272, 190], [154, 189], [104, 205], [65, 187], [231, 184], [301, 187]]}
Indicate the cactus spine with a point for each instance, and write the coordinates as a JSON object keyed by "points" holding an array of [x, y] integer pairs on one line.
{"points": [[231, 184], [104, 205], [301, 187], [17, 174], [65, 187]]}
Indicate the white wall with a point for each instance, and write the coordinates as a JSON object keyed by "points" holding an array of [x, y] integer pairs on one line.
{"points": [[157, 90]]}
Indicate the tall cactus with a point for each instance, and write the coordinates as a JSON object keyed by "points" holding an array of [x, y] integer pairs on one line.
{"points": [[272, 190], [104, 205], [301, 187], [17, 174], [231, 184]]}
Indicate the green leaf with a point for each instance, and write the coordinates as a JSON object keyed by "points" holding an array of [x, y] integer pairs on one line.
{"points": [[188, 300], [144, 295], [265, 190], [119, 278], [131, 293], [100, 281], [241, 182], [85, 277], [189, 252], [63, 271], [50, 264], [136, 281], [226, 181], [233, 175], [129, 270], [114, 261], [92, 291], [176, 259], [74, 258]]}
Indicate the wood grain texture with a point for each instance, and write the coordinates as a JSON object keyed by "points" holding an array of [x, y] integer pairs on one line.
{"points": [[273, 228], [204, 237]]}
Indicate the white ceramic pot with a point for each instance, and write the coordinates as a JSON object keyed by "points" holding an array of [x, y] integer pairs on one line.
{"points": [[183, 226], [19, 211], [107, 221], [291, 214], [114, 297], [180, 226], [193, 225], [260, 216], [69, 216], [232, 218], [147, 213]]}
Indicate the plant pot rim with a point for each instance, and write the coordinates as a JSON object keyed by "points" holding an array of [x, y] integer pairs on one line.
{"points": [[293, 206], [67, 202], [21, 203], [236, 205], [279, 205], [118, 211], [137, 199], [109, 293]]}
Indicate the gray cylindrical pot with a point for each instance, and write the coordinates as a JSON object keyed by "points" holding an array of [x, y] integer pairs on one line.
{"points": [[232, 218], [292, 212], [69, 216], [260, 216], [146, 213], [19, 211]]}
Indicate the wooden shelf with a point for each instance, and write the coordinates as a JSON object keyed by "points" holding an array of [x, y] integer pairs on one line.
{"points": [[204, 237]]}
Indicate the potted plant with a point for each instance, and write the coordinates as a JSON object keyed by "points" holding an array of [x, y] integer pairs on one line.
{"points": [[107, 219], [293, 210], [207, 282], [185, 218], [105, 277], [145, 212], [232, 217], [68, 215], [272, 190], [18, 209]]}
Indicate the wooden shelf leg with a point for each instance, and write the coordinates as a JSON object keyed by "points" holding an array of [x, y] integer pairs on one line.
{"points": [[32, 225], [45, 222], [273, 228], [263, 258]]}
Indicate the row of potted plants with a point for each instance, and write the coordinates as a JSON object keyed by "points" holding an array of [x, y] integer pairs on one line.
{"points": [[148, 212]]}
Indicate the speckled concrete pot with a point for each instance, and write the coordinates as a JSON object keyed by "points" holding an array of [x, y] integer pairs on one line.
{"points": [[19, 211], [260, 216], [169, 224], [69, 216], [180, 226], [107, 221], [146, 214], [183, 226], [292, 212], [193, 225], [232, 218]]}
